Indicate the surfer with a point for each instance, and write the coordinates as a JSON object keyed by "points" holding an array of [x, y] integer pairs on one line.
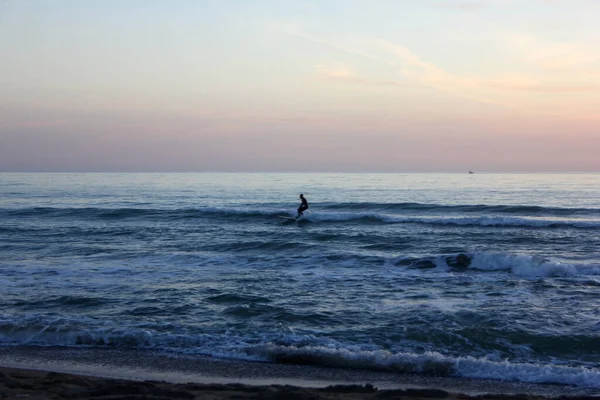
{"points": [[303, 206]]}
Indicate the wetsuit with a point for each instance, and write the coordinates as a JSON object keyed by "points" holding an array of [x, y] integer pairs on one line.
{"points": [[302, 207]]}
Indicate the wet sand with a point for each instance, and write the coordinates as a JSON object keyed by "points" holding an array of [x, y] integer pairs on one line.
{"points": [[52, 373]]}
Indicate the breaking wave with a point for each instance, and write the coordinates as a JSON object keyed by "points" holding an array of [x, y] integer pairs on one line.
{"points": [[329, 354]]}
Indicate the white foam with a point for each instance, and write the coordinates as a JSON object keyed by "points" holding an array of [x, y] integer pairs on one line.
{"points": [[460, 221], [482, 220], [529, 266], [436, 363], [480, 368], [246, 211], [315, 350]]}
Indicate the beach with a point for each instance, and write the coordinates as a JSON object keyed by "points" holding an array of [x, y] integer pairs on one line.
{"points": [[98, 373], [471, 284], [19, 383], [300, 199], [36, 384]]}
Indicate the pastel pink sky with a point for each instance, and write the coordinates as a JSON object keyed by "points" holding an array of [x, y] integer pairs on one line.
{"points": [[300, 85]]}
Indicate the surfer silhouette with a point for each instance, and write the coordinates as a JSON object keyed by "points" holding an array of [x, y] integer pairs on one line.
{"points": [[302, 207]]}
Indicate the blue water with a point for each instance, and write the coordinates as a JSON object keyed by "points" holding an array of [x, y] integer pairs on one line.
{"points": [[484, 275]]}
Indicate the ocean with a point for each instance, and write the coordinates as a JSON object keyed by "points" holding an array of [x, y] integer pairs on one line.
{"points": [[491, 276]]}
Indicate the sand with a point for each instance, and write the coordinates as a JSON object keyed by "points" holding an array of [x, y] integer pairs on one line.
{"points": [[32, 384]]}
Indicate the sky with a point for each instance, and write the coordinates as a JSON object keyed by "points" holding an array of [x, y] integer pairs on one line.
{"points": [[300, 85]]}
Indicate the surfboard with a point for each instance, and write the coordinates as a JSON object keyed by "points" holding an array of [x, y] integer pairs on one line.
{"points": [[287, 218]]}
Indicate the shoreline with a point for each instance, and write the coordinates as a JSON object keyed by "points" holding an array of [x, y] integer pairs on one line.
{"points": [[17, 383], [42, 385], [221, 377]]}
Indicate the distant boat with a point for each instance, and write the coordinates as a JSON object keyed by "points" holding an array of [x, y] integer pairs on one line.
{"points": [[470, 172]]}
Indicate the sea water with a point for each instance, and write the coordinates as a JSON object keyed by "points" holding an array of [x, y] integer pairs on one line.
{"points": [[474, 275]]}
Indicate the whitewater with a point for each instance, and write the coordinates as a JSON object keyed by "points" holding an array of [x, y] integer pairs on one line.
{"points": [[493, 276]]}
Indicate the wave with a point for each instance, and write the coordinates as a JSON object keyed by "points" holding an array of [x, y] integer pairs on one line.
{"points": [[312, 216], [151, 213], [530, 266], [432, 363], [64, 301], [463, 208], [63, 333], [381, 212], [306, 350], [84, 212], [527, 266], [496, 221]]}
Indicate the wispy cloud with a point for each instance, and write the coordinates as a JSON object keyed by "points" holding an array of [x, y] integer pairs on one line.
{"points": [[517, 90], [338, 72], [433, 75], [465, 5], [335, 45], [341, 73], [530, 85], [563, 56], [546, 54]]}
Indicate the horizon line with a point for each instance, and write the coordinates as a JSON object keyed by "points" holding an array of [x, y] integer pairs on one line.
{"points": [[302, 172]]}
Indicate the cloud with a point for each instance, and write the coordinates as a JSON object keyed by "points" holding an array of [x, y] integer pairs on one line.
{"points": [[563, 56], [531, 85], [337, 72], [294, 32], [547, 55], [413, 67], [575, 94], [516, 91], [341, 73], [472, 5]]}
